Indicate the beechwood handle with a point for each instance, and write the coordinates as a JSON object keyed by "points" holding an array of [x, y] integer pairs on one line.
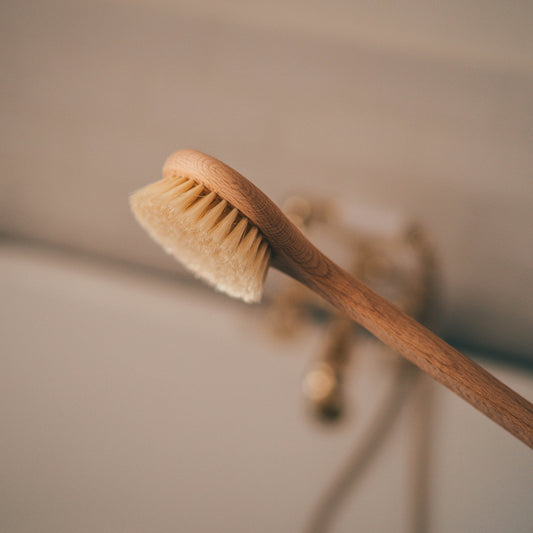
{"points": [[424, 349]]}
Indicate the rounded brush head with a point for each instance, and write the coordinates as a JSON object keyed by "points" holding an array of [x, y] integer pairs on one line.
{"points": [[207, 233]]}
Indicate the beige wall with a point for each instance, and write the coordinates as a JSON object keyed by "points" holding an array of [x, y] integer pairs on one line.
{"points": [[424, 111]]}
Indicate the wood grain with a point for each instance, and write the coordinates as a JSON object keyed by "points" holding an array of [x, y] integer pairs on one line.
{"points": [[293, 254]]}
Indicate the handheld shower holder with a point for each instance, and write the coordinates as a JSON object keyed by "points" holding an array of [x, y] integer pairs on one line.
{"points": [[390, 254]]}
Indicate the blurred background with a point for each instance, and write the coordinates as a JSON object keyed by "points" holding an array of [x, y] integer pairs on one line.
{"points": [[119, 409]]}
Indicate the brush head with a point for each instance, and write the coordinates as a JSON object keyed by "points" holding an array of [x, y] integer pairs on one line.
{"points": [[211, 237]]}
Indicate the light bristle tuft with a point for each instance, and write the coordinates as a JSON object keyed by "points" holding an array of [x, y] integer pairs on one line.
{"points": [[202, 231]]}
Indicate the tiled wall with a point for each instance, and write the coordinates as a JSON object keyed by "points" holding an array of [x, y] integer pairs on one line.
{"points": [[95, 96]]}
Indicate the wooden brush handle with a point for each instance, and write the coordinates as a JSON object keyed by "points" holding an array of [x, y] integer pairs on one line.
{"points": [[293, 254], [423, 348]]}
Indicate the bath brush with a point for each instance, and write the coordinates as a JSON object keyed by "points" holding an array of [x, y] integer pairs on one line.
{"points": [[224, 229]]}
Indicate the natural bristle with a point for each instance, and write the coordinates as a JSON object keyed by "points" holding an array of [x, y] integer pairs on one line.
{"points": [[202, 231]]}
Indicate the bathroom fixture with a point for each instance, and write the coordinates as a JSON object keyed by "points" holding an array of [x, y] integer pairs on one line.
{"points": [[386, 251]]}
